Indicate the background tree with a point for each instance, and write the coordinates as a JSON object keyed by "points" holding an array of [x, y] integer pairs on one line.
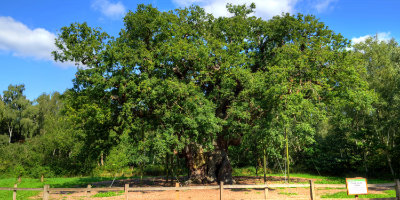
{"points": [[20, 115], [382, 62]]}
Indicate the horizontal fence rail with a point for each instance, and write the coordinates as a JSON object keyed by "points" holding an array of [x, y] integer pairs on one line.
{"points": [[47, 190], [22, 189]]}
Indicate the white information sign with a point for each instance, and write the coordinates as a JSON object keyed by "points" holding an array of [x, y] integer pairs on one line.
{"points": [[356, 186]]}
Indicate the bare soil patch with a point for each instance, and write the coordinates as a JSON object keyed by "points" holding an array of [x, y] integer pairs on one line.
{"points": [[228, 194]]}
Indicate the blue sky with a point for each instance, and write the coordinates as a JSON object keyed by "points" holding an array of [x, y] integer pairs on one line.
{"points": [[28, 29]]}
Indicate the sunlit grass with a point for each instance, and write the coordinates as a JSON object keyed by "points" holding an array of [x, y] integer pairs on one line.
{"points": [[35, 183], [387, 194], [108, 194], [250, 171], [288, 193]]}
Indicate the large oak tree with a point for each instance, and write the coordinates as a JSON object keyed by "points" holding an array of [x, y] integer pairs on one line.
{"points": [[184, 82]]}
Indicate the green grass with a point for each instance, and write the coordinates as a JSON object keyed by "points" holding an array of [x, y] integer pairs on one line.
{"points": [[330, 188], [287, 193], [250, 171], [108, 194], [35, 183], [84, 181], [387, 194]]}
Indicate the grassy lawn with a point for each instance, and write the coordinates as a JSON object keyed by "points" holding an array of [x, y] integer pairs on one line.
{"points": [[108, 194], [35, 183], [84, 181], [287, 193], [250, 171], [387, 194]]}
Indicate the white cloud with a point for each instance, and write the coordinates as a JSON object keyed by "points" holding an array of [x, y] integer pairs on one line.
{"points": [[323, 5], [382, 36], [21, 41], [112, 10], [264, 8]]}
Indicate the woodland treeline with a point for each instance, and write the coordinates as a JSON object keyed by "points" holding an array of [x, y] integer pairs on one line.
{"points": [[185, 91]]}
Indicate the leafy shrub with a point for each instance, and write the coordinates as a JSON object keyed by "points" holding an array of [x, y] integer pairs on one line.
{"points": [[154, 170], [4, 140]]}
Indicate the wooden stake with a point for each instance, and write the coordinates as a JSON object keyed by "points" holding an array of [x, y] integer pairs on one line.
{"points": [[397, 188], [265, 166], [287, 156], [88, 190], [266, 193], [126, 191], [312, 190], [177, 191], [221, 189], [15, 192], [42, 178], [46, 193]]}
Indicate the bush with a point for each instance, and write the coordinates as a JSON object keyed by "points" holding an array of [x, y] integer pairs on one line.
{"points": [[4, 140], [18, 170], [154, 170], [38, 171]]}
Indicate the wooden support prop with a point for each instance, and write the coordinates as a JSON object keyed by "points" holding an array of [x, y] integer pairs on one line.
{"points": [[126, 191], [397, 188], [46, 192], [42, 178], [312, 190], [15, 192], [266, 193], [177, 191], [88, 190], [19, 179], [221, 190]]}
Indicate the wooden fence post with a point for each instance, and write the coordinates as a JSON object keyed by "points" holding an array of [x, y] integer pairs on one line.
{"points": [[15, 192], [312, 190], [46, 192], [397, 188], [266, 192], [126, 191], [88, 190], [42, 178], [221, 190], [177, 191]]}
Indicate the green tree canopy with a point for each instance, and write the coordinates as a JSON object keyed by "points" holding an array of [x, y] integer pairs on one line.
{"points": [[19, 114], [185, 82]]}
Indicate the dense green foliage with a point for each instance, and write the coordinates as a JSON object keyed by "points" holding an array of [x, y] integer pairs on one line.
{"points": [[176, 80]]}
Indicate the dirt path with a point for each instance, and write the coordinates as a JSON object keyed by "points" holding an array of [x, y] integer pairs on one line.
{"points": [[228, 194]]}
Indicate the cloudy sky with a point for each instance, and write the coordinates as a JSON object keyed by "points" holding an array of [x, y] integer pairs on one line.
{"points": [[28, 29]]}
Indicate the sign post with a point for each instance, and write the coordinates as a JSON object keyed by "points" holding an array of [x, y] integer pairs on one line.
{"points": [[356, 186]]}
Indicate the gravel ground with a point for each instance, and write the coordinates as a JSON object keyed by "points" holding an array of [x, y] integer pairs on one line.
{"points": [[228, 194]]}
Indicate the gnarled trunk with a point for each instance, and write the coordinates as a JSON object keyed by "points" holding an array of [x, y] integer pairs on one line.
{"points": [[207, 167]]}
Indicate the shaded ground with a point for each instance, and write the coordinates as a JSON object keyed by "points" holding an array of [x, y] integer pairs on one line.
{"points": [[160, 181], [228, 194]]}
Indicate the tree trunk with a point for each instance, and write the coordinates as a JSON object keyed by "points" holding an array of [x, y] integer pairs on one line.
{"points": [[101, 159], [207, 167], [365, 164], [265, 166], [287, 157], [10, 130], [166, 168], [390, 164]]}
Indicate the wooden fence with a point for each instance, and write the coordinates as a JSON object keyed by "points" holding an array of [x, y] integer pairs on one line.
{"points": [[221, 187]]}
